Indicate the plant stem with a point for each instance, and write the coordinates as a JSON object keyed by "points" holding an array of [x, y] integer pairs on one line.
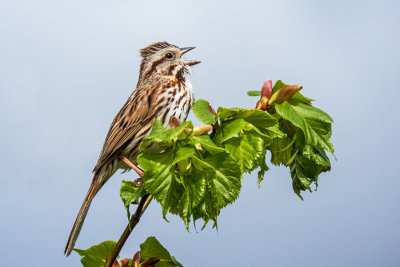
{"points": [[133, 166], [141, 208]]}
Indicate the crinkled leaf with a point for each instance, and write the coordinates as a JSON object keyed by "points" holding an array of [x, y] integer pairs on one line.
{"points": [[201, 109], [317, 155], [206, 143], [182, 153], [194, 192], [226, 183], [159, 181], [246, 149], [304, 171], [263, 169], [231, 128], [226, 113], [96, 255], [130, 193], [258, 118], [183, 208], [207, 208], [165, 138], [195, 185], [281, 150], [315, 124], [236, 120]]}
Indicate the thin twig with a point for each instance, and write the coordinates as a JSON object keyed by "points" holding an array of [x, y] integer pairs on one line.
{"points": [[133, 221], [133, 166], [144, 203], [147, 203]]}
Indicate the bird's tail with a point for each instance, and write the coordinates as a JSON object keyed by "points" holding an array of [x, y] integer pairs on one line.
{"points": [[73, 236]]}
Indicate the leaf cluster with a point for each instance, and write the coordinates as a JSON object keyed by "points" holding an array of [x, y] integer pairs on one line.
{"points": [[151, 253], [307, 138], [195, 176]]}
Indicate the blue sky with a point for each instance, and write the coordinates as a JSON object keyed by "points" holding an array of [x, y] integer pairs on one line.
{"points": [[66, 67]]}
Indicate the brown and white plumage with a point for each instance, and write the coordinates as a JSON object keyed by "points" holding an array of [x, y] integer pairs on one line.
{"points": [[163, 90]]}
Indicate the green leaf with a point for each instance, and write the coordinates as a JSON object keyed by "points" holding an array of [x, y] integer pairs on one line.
{"points": [[159, 181], [151, 248], [231, 128], [246, 149], [299, 98], [263, 169], [165, 137], [225, 113], [258, 118], [207, 209], [315, 124], [317, 155], [226, 182], [201, 109], [182, 153], [281, 150], [304, 172], [235, 120], [130, 194], [273, 131], [206, 142], [254, 93], [195, 186], [96, 255]]}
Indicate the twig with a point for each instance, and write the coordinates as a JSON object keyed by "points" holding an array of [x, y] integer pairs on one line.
{"points": [[141, 208], [133, 221], [133, 166]]}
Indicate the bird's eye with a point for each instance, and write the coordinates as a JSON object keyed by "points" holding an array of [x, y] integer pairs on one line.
{"points": [[169, 55]]}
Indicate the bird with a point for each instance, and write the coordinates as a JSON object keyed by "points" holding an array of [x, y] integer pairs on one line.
{"points": [[163, 91]]}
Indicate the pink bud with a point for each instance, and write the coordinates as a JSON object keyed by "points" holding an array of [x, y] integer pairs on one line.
{"points": [[136, 258], [266, 89]]}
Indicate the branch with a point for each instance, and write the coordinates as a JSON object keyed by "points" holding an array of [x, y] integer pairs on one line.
{"points": [[133, 221], [141, 208]]}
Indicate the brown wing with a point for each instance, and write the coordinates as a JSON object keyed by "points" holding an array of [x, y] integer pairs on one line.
{"points": [[137, 112]]}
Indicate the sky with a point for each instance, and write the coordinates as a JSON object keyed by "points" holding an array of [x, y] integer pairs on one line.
{"points": [[66, 68]]}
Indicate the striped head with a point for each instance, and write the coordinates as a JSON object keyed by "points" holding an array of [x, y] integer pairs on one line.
{"points": [[164, 60]]}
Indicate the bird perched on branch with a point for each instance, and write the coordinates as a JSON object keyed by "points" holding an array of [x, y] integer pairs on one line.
{"points": [[163, 91]]}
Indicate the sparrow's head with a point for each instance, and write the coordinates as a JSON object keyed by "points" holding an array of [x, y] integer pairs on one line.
{"points": [[164, 59]]}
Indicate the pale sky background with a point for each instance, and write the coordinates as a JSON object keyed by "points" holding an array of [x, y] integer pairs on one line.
{"points": [[66, 68]]}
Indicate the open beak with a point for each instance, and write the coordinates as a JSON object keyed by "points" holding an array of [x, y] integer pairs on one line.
{"points": [[184, 50]]}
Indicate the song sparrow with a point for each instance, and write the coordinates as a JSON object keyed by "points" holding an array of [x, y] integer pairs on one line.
{"points": [[163, 90]]}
